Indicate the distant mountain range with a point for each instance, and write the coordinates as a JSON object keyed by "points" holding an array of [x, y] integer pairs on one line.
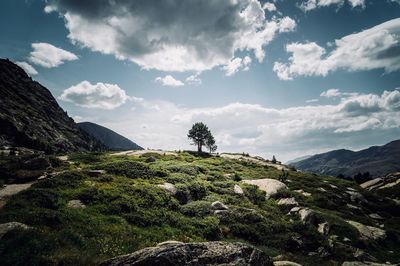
{"points": [[30, 116], [112, 140], [377, 160]]}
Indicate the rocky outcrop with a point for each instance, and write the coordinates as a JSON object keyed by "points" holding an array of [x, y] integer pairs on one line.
{"points": [[31, 117], [195, 254], [368, 232], [270, 186], [217, 205], [6, 227]]}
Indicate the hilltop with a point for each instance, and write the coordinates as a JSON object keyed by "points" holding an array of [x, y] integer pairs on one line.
{"points": [[96, 206]]}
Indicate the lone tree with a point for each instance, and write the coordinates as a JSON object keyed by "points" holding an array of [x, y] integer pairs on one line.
{"points": [[200, 136]]}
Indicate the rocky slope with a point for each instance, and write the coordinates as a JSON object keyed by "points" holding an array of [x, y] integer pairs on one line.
{"points": [[112, 140], [377, 160], [30, 116], [98, 206]]}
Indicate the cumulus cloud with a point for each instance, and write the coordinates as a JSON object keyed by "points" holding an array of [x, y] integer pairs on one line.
{"points": [[269, 6], [171, 35], [237, 64], [312, 101], [194, 80], [49, 56], [314, 4], [169, 80], [257, 129], [374, 48], [99, 95], [27, 67], [331, 93]]}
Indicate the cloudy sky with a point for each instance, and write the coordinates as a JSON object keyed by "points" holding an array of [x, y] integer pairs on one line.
{"points": [[283, 77]]}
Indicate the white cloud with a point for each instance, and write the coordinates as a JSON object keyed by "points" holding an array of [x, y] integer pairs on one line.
{"points": [[312, 101], [194, 79], [269, 6], [237, 64], [172, 35], [286, 132], [169, 80], [27, 67], [374, 48], [314, 4], [99, 95], [331, 93], [47, 55]]}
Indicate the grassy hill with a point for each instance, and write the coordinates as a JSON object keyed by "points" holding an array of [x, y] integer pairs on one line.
{"points": [[77, 216]]}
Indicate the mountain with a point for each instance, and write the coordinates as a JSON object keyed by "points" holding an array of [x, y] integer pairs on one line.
{"points": [[109, 138], [298, 159], [31, 117], [377, 160]]}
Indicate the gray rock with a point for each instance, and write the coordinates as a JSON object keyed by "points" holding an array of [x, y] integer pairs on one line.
{"points": [[169, 243], [75, 204], [170, 188], [288, 202], [365, 263], [270, 186], [238, 190], [371, 183], [376, 216], [6, 227], [356, 196], [286, 263], [305, 194], [217, 205], [307, 215], [195, 254], [323, 228], [368, 232]]}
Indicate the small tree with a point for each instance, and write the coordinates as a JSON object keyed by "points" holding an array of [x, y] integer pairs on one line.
{"points": [[273, 159], [199, 134], [210, 143]]}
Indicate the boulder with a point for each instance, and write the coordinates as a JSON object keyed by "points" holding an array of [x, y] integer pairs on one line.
{"points": [[368, 232], [307, 215], [75, 204], [170, 188], [6, 227], [288, 202], [356, 196], [371, 183], [286, 263], [217, 205], [323, 228], [151, 159], [270, 186], [195, 254], [238, 190], [305, 194]]}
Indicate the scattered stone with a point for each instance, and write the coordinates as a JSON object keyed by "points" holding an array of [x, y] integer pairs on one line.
{"points": [[333, 186], [286, 263], [200, 254], [220, 212], [350, 206], [75, 204], [288, 202], [376, 216], [169, 243], [365, 263], [305, 194], [351, 189], [371, 183], [270, 186], [170, 188], [307, 216], [322, 189], [95, 173], [217, 205], [63, 158], [323, 228], [368, 232], [6, 227], [356, 196], [238, 190]]}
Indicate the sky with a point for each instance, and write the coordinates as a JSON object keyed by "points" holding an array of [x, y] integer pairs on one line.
{"points": [[280, 77]]}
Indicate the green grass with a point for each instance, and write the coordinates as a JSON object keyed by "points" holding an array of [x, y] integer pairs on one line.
{"points": [[126, 211]]}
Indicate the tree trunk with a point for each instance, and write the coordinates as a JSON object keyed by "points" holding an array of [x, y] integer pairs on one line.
{"points": [[199, 148]]}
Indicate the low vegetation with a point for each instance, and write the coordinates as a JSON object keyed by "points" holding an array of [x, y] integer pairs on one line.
{"points": [[126, 209]]}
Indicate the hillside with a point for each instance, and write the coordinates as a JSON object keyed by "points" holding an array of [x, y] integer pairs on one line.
{"points": [[94, 207], [30, 116], [112, 140], [377, 160]]}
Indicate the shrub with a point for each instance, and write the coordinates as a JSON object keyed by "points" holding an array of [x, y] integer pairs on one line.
{"points": [[196, 208], [129, 169], [236, 177]]}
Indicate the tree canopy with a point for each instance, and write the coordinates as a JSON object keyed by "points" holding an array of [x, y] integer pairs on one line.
{"points": [[201, 136]]}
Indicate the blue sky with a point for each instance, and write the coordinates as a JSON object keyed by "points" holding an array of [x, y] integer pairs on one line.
{"points": [[281, 77]]}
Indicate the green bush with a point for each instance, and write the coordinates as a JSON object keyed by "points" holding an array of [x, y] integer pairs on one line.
{"points": [[236, 177], [196, 208], [129, 169]]}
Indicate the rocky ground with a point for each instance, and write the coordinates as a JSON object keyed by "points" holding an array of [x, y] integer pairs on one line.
{"points": [[94, 207]]}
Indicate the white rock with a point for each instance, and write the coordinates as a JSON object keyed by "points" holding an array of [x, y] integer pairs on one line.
{"points": [[371, 183], [286, 263], [368, 232], [270, 186], [238, 190], [376, 216], [169, 243], [75, 204], [323, 228], [6, 227], [365, 263], [307, 215], [306, 194], [288, 202], [170, 188], [217, 205], [356, 196]]}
